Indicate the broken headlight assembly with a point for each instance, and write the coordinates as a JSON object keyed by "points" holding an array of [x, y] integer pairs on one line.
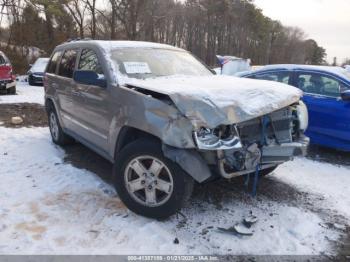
{"points": [[221, 138], [303, 116]]}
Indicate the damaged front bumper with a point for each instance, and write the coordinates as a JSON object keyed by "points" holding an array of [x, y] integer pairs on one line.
{"points": [[285, 152], [262, 142], [266, 157]]}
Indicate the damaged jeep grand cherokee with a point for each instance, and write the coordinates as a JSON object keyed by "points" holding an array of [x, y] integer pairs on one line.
{"points": [[166, 121]]}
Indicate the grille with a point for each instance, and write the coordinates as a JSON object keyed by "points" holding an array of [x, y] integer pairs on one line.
{"points": [[278, 128]]}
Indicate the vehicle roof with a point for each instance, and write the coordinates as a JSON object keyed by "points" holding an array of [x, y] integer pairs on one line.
{"points": [[108, 45], [335, 70]]}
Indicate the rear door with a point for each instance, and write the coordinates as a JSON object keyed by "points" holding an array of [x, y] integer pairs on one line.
{"points": [[329, 115], [91, 103], [63, 83]]}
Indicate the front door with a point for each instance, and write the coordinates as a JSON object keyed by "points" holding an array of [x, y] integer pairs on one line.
{"points": [[329, 115], [91, 103]]}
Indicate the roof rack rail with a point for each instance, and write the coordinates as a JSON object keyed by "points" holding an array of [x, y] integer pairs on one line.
{"points": [[78, 39]]}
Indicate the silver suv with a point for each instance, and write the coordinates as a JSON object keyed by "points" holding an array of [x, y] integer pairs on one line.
{"points": [[166, 121]]}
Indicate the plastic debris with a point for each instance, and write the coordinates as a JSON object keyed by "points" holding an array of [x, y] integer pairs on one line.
{"points": [[249, 221], [237, 229]]}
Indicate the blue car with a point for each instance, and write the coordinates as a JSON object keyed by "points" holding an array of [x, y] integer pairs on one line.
{"points": [[326, 94]]}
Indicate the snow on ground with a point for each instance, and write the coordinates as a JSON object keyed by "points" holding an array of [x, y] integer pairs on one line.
{"points": [[25, 94], [330, 181], [49, 206]]}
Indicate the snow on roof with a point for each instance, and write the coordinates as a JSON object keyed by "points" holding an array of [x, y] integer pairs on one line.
{"points": [[329, 69], [109, 45]]}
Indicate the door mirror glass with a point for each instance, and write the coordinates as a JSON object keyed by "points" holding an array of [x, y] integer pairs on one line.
{"points": [[345, 95], [88, 77]]}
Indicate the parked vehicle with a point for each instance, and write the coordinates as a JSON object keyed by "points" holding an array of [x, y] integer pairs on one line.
{"points": [[326, 94], [7, 77], [36, 72], [165, 120], [230, 65]]}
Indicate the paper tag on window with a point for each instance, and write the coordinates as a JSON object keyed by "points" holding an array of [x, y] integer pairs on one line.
{"points": [[137, 68]]}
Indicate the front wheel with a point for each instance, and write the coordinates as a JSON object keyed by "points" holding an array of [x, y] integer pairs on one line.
{"points": [[148, 183]]}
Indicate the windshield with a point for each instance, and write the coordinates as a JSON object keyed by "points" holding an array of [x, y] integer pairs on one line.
{"points": [[39, 65], [152, 62]]}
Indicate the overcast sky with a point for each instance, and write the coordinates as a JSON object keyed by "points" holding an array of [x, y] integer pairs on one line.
{"points": [[326, 21]]}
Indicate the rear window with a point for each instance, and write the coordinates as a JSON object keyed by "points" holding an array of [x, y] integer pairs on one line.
{"points": [[67, 64], [53, 62], [2, 60]]}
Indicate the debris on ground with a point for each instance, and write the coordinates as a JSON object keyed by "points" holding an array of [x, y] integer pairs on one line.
{"points": [[22, 115], [238, 229], [16, 120], [249, 220]]}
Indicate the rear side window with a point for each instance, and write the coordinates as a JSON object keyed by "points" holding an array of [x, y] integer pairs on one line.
{"points": [[89, 61], [2, 60], [282, 77], [67, 64], [51, 68], [319, 84]]}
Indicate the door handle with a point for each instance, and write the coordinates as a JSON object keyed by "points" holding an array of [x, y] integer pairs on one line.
{"points": [[78, 94]]}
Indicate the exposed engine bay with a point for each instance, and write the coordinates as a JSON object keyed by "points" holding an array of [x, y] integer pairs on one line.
{"points": [[265, 141]]}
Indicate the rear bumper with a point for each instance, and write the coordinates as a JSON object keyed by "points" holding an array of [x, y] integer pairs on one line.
{"points": [[36, 79], [6, 84]]}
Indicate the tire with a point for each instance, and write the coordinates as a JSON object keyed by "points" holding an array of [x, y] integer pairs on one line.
{"points": [[170, 189], [57, 134], [30, 81], [12, 90]]}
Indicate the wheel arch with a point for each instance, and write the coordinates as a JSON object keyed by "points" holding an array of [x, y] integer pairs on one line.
{"points": [[129, 134], [188, 159]]}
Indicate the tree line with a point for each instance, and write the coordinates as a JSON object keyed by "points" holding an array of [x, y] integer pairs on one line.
{"points": [[204, 27]]}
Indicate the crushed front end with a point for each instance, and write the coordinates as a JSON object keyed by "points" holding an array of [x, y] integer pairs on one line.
{"points": [[265, 141]]}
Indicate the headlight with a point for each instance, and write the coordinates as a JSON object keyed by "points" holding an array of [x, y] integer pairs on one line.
{"points": [[303, 116], [217, 139]]}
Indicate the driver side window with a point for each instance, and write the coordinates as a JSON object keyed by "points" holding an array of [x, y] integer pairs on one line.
{"points": [[319, 84], [89, 61]]}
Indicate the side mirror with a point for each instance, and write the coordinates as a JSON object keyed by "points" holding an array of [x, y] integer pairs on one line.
{"points": [[87, 77], [345, 95]]}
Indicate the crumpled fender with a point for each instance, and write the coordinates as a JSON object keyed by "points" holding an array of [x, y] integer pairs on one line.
{"points": [[190, 161], [151, 115]]}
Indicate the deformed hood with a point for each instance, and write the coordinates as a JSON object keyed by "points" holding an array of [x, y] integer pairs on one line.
{"points": [[214, 100]]}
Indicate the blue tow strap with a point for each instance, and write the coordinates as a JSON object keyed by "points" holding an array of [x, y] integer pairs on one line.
{"points": [[265, 121]]}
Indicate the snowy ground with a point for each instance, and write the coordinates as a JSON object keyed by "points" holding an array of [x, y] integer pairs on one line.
{"points": [[25, 94], [59, 201]]}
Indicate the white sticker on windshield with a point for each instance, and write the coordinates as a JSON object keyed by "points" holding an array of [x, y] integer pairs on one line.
{"points": [[137, 68]]}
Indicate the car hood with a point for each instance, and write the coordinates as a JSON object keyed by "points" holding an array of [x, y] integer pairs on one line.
{"points": [[221, 100]]}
